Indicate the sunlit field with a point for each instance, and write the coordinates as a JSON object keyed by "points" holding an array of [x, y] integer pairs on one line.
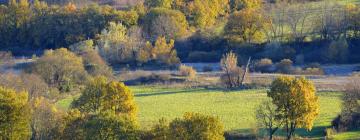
{"points": [[234, 108]]}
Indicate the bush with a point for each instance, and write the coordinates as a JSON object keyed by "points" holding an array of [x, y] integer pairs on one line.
{"points": [[263, 65], [60, 68], [187, 71], [285, 66], [192, 126]]}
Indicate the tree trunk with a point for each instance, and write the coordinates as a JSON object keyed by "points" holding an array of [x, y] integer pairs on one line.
{"points": [[245, 71]]}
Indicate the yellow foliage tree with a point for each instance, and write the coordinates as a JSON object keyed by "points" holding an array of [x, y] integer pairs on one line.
{"points": [[203, 12], [165, 52], [14, 115], [101, 96], [296, 102], [247, 26]]}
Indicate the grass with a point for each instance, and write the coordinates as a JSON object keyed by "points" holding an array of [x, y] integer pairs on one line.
{"points": [[347, 135], [235, 108]]}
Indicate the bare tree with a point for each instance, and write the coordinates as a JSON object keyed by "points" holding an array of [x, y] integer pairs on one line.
{"points": [[234, 75], [266, 117]]}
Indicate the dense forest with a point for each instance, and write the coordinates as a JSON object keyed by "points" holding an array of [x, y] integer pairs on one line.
{"points": [[86, 69]]}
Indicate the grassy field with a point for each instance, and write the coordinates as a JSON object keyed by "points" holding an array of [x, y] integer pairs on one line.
{"points": [[235, 108]]}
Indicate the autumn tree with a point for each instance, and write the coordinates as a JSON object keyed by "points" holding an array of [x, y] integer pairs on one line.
{"points": [[237, 5], [202, 13], [33, 84], [109, 126], [354, 19], [104, 110], [159, 3], [101, 96], [94, 64], [45, 119], [14, 114], [164, 52], [165, 22], [60, 68], [296, 104], [247, 25]]}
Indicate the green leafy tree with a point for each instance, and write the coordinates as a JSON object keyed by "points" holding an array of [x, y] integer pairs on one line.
{"points": [[14, 115], [296, 104]]}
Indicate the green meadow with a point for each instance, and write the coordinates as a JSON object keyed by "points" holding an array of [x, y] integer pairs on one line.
{"points": [[236, 109]]}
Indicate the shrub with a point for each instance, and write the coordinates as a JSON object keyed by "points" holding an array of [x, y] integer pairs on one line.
{"points": [[60, 68], [285, 66], [187, 71], [263, 65]]}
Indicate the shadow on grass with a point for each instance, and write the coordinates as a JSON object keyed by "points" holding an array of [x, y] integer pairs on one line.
{"points": [[190, 90], [169, 92], [316, 132]]}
